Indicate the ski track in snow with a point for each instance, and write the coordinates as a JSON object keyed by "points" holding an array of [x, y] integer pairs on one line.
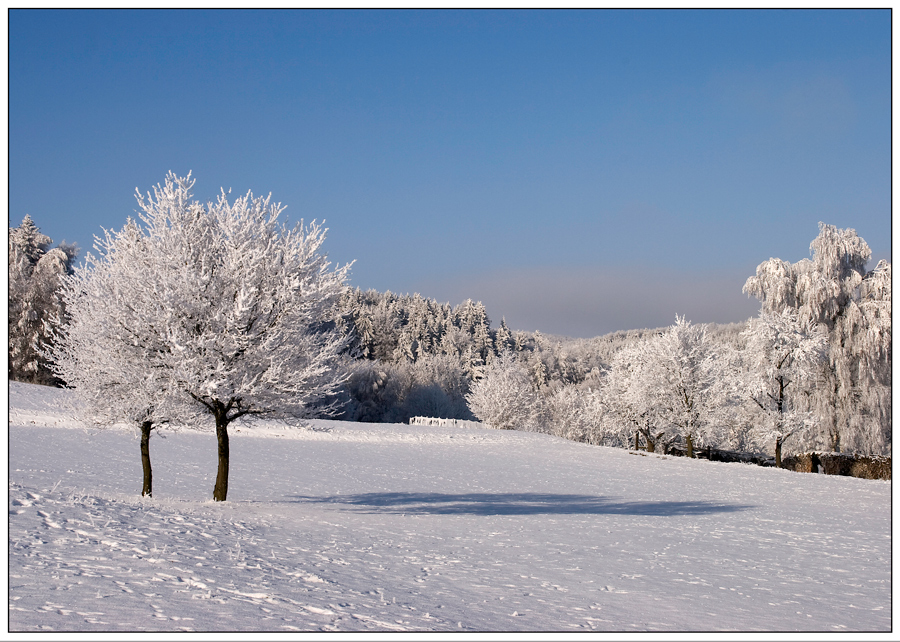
{"points": [[362, 527]]}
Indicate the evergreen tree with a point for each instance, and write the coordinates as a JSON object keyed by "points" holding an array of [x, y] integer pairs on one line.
{"points": [[503, 339], [34, 298]]}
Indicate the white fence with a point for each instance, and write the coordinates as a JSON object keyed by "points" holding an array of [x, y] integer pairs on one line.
{"points": [[437, 421]]}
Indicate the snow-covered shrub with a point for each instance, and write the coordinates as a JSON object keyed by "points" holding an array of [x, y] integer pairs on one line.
{"points": [[576, 414], [428, 400], [439, 388], [374, 391], [433, 386], [504, 397]]}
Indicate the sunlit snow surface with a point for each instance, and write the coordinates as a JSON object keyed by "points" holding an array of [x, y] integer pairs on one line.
{"points": [[385, 527]]}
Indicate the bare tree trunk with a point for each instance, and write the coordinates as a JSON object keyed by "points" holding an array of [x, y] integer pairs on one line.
{"points": [[146, 427], [778, 452], [220, 491], [648, 437], [834, 415], [690, 445]]}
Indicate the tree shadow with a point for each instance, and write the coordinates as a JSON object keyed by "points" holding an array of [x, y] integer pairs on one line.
{"points": [[516, 504]]}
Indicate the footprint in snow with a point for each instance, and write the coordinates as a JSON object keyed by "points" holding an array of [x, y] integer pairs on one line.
{"points": [[49, 522]]}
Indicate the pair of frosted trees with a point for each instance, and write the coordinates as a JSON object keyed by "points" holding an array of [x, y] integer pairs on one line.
{"points": [[213, 310]]}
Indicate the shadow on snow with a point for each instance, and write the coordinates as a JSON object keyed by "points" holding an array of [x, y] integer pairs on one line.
{"points": [[516, 504]]}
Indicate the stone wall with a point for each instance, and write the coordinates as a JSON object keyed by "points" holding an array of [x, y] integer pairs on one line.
{"points": [[840, 464]]}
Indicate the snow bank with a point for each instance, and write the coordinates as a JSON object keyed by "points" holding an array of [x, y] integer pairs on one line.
{"points": [[42, 406]]}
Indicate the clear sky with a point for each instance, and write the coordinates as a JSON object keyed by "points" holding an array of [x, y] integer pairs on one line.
{"points": [[577, 171]]}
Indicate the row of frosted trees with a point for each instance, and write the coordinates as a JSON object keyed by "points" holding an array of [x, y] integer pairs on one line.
{"points": [[811, 372]]}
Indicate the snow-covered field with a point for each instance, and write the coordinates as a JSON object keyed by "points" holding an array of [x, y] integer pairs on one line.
{"points": [[377, 527]]}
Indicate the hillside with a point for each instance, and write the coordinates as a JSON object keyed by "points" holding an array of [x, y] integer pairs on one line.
{"points": [[390, 527]]}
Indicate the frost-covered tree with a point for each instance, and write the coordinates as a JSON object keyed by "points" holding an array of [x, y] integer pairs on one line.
{"points": [[34, 297], [379, 329], [680, 368], [248, 309], [736, 417], [784, 354], [109, 349], [852, 399], [630, 399], [456, 343], [504, 397], [399, 328], [503, 338], [27, 242], [478, 326], [538, 369]]}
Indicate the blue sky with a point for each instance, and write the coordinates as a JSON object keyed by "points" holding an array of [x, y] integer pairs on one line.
{"points": [[577, 171]]}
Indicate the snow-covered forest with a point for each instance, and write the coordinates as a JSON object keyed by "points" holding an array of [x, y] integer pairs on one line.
{"points": [[206, 313]]}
